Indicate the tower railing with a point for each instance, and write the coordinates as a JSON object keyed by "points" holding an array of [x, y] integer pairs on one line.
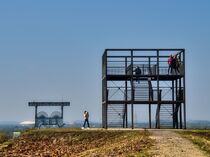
{"points": [[145, 70]]}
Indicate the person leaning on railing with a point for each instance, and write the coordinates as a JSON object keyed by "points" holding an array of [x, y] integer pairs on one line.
{"points": [[174, 63], [178, 63]]}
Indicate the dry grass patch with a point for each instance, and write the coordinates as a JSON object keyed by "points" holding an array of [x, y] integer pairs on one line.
{"points": [[198, 137], [77, 142]]}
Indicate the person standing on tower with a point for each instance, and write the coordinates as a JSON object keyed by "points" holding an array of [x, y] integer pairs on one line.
{"points": [[137, 72], [170, 64]]}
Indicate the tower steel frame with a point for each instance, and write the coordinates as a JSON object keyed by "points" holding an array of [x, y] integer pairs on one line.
{"points": [[155, 85]]}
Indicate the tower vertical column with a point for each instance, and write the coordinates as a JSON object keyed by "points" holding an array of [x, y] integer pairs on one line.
{"points": [[173, 105], [150, 123], [158, 90], [62, 111], [132, 91], [177, 107], [180, 104], [126, 95], [36, 115], [106, 91], [184, 90]]}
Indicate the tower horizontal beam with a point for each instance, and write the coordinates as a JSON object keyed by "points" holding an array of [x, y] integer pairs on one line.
{"points": [[49, 104]]}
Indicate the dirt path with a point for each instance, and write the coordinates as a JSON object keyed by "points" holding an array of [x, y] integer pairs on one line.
{"points": [[171, 144]]}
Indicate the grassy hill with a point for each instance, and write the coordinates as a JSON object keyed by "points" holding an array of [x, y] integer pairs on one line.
{"points": [[198, 137], [77, 142]]}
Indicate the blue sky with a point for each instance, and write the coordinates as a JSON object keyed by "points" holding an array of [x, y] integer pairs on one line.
{"points": [[51, 50]]}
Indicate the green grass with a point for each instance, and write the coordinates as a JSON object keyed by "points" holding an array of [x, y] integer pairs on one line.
{"points": [[198, 137], [4, 140], [3, 137]]}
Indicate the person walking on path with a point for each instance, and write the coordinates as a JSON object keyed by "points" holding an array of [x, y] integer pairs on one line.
{"points": [[86, 119]]}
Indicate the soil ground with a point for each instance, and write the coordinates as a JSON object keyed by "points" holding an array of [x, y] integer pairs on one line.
{"points": [[171, 144], [102, 142], [78, 143]]}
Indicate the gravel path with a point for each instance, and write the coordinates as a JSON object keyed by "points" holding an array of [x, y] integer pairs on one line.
{"points": [[171, 144]]}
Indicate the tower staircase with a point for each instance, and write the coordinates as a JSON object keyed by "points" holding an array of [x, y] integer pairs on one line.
{"points": [[116, 114], [165, 115], [143, 90]]}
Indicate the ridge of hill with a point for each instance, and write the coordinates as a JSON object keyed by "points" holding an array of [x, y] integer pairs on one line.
{"points": [[77, 142]]}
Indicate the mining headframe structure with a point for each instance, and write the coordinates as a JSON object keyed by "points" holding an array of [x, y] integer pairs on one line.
{"points": [[42, 118], [133, 77]]}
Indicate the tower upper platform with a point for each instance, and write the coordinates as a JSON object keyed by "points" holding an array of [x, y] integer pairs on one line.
{"points": [[121, 64]]}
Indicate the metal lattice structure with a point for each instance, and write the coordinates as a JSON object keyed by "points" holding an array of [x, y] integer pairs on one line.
{"points": [[154, 85], [43, 119]]}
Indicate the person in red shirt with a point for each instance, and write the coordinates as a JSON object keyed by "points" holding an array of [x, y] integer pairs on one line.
{"points": [[170, 66]]}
